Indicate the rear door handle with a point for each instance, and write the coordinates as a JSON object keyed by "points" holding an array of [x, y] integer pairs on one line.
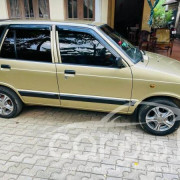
{"points": [[5, 66], [71, 72]]}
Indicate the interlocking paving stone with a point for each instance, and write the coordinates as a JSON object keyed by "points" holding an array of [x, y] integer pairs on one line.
{"points": [[46, 143]]}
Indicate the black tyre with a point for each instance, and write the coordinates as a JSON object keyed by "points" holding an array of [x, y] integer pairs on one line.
{"points": [[159, 116], [10, 104]]}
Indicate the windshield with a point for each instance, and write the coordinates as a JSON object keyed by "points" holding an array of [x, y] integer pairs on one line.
{"points": [[130, 50]]}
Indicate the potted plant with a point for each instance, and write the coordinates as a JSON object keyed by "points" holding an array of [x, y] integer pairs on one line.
{"points": [[161, 18]]}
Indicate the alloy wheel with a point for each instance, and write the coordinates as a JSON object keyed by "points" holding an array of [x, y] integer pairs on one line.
{"points": [[160, 119], [6, 105]]}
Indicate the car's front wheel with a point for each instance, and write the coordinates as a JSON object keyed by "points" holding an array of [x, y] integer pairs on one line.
{"points": [[159, 116]]}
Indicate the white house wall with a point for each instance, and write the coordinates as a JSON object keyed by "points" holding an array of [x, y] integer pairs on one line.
{"points": [[3, 10], [104, 11], [57, 10]]}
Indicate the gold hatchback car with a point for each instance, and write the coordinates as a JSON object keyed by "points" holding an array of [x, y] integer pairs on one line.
{"points": [[86, 66]]}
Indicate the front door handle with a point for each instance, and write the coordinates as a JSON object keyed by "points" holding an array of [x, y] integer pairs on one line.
{"points": [[5, 66], [72, 72]]}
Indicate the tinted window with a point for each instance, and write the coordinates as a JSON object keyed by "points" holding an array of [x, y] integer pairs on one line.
{"points": [[8, 48], [82, 48], [1, 30], [33, 45]]}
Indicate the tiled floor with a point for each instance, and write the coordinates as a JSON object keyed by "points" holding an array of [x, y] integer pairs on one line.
{"points": [[176, 51], [46, 143]]}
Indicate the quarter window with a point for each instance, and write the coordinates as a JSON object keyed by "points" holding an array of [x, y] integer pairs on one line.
{"points": [[83, 49], [31, 45]]}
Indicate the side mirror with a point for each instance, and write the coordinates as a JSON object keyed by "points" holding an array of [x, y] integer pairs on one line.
{"points": [[119, 62]]}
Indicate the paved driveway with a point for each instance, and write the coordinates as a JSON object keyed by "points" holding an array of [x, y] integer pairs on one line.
{"points": [[53, 143]]}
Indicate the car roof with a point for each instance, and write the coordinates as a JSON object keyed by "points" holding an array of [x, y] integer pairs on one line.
{"points": [[68, 22]]}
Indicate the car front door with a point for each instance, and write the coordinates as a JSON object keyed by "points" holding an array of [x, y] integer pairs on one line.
{"points": [[87, 72], [27, 65]]}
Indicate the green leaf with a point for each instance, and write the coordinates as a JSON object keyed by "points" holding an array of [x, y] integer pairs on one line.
{"points": [[161, 17]]}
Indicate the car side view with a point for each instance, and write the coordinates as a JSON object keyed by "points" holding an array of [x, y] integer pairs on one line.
{"points": [[86, 66]]}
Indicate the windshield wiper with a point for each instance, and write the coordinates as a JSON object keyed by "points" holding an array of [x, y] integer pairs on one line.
{"points": [[144, 53]]}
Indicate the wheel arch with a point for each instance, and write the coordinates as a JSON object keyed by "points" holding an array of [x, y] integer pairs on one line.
{"points": [[149, 99], [12, 89]]}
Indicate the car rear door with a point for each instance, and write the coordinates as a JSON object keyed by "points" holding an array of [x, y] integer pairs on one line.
{"points": [[87, 72], [27, 64]]}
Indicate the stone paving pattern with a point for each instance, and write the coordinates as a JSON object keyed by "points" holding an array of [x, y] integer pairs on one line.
{"points": [[52, 143]]}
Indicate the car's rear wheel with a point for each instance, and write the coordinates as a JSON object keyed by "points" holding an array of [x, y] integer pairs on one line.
{"points": [[10, 103], [159, 117]]}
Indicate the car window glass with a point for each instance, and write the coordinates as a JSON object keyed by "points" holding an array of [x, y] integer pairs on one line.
{"points": [[32, 45], [8, 49], [1, 30], [133, 52], [83, 49]]}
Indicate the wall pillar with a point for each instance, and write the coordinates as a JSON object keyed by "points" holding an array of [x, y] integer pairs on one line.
{"points": [[111, 12], [98, 5], [57, 9], [101, 11], [104, 11], [3, 10], [146, 15]]}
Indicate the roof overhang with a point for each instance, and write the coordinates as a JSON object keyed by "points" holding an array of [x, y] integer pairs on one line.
{"points": [[170, 2]]}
